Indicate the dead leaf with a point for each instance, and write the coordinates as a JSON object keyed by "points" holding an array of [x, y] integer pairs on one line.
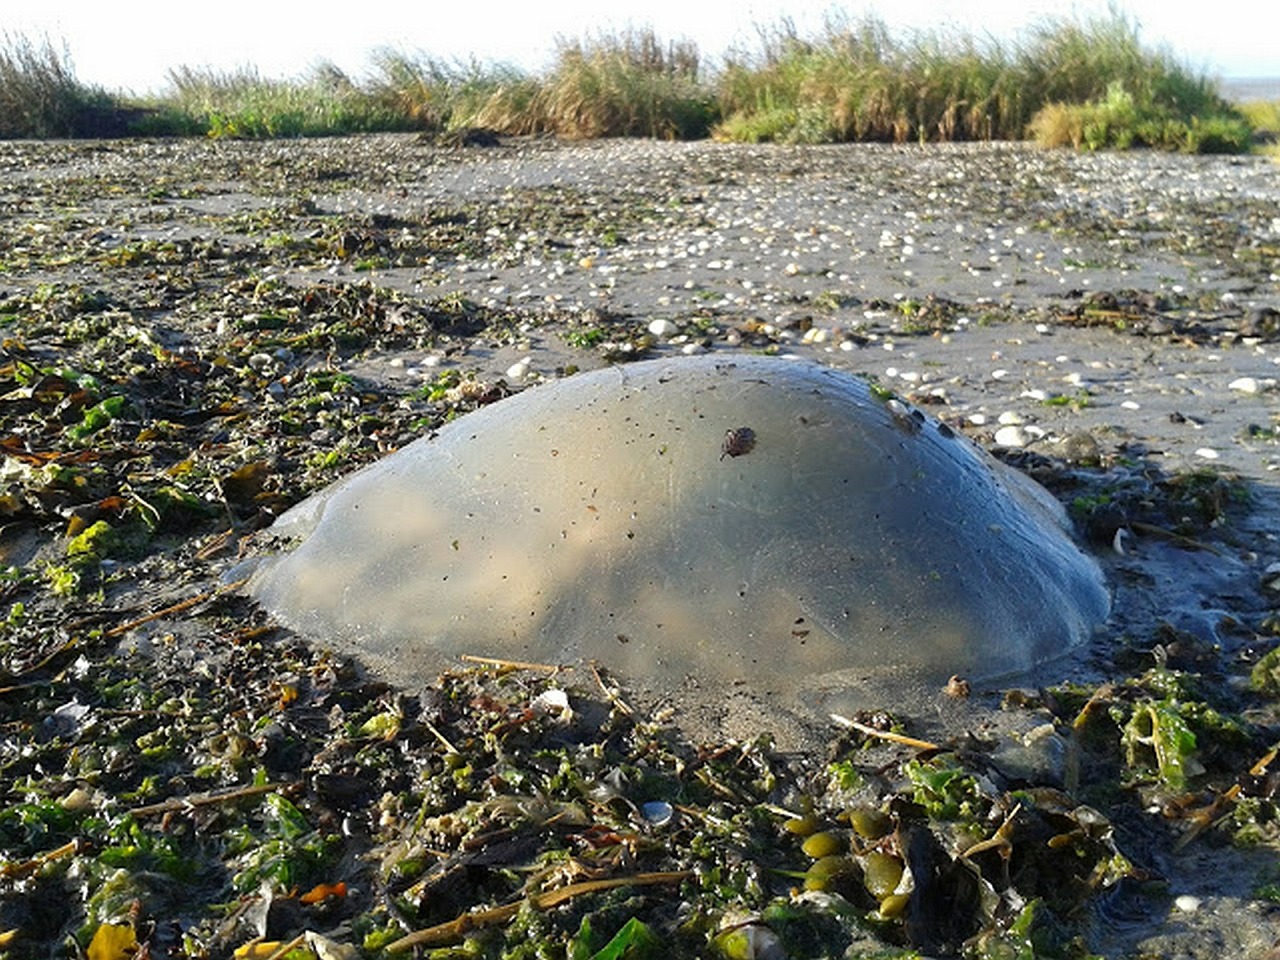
{"points": [[113, 941]]}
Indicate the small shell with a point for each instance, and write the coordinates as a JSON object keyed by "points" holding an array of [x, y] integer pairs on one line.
{"points": [[554, 703], [657, 813], [737, 441]]}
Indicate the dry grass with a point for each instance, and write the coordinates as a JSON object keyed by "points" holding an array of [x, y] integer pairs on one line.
{"points": [[627, 84], [41, 97], [1088, 85]]}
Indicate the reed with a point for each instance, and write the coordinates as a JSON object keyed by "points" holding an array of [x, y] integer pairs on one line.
{"points": [[622, 84], [41, 97], [241, 103], [1090, 85]]}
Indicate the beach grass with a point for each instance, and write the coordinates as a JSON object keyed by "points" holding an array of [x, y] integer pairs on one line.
{"points": [[40, 96], [240, 103], [1264, 117], [624, 84], [1086, 85]]}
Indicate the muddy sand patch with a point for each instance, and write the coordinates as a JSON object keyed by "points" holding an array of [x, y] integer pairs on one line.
{"points": [[197, 335]]}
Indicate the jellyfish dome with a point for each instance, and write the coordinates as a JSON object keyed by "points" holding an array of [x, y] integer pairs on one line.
{"points": [[751, 520]]}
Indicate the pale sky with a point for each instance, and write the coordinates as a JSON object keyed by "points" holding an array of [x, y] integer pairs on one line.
{"points": [[131, 44]]}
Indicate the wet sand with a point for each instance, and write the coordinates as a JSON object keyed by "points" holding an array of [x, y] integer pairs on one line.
{"points": [[1028, 299]]}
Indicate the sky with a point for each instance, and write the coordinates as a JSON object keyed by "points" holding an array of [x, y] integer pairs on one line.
{"points": [[129, 45]]}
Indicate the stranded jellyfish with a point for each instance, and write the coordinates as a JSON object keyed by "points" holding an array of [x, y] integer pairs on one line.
{"points": [[752, 521]]}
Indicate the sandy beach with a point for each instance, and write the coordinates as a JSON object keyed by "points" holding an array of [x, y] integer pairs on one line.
{"points": [[277, 314]]}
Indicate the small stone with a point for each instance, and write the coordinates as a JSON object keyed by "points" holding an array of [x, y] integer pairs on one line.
{"points": [[663, 327], [1245, 385], [1012, 436], [1080, 448], [1010, 419], [693, 349], [1207, 453], [518, 370], [1187, 903], [260, 362]]}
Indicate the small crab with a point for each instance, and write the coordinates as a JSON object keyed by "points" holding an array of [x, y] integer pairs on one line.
{"points": [[737, 441]]}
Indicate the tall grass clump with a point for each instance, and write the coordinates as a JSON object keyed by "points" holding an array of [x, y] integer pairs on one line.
{"points": [[1085, 84], [1100, 88], [241, 103], [857, 82], [1264, 117], [41, 97], [625, 84], [432, 95]]}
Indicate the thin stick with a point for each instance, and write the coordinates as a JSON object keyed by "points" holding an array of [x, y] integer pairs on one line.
{"points": [[216, 545], [883, 734], [510, 664], [609, 692], [448, 747], [463, 924], [1187, 543], [176, 608], [211, 798], [1205, 816], [284, 948], [25, 868]]}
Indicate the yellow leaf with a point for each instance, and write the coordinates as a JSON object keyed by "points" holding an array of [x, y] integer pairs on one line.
{"points": [[113, 941], [257, 950]]}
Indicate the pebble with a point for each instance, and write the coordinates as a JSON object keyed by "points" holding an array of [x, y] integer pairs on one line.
{"points": [[1187, 903], [1245, 385], [518, 370], [1010, 419], [693, 349], [1207, 453], [1012, 436], [663, 327]]}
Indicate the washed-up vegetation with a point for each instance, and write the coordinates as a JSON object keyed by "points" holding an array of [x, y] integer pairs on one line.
{"points": [[179, 777], [1091, 86]]}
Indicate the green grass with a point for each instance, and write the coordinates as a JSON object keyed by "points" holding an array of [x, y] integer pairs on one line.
{"points": [[1264, 117], [243, 104], [1088, 85]]}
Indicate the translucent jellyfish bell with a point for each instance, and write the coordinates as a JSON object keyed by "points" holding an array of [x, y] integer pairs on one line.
{"points": [[755, 520]]}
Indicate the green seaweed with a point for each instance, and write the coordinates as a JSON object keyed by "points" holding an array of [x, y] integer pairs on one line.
{"points": [[945, 791], [1158, 739]]}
